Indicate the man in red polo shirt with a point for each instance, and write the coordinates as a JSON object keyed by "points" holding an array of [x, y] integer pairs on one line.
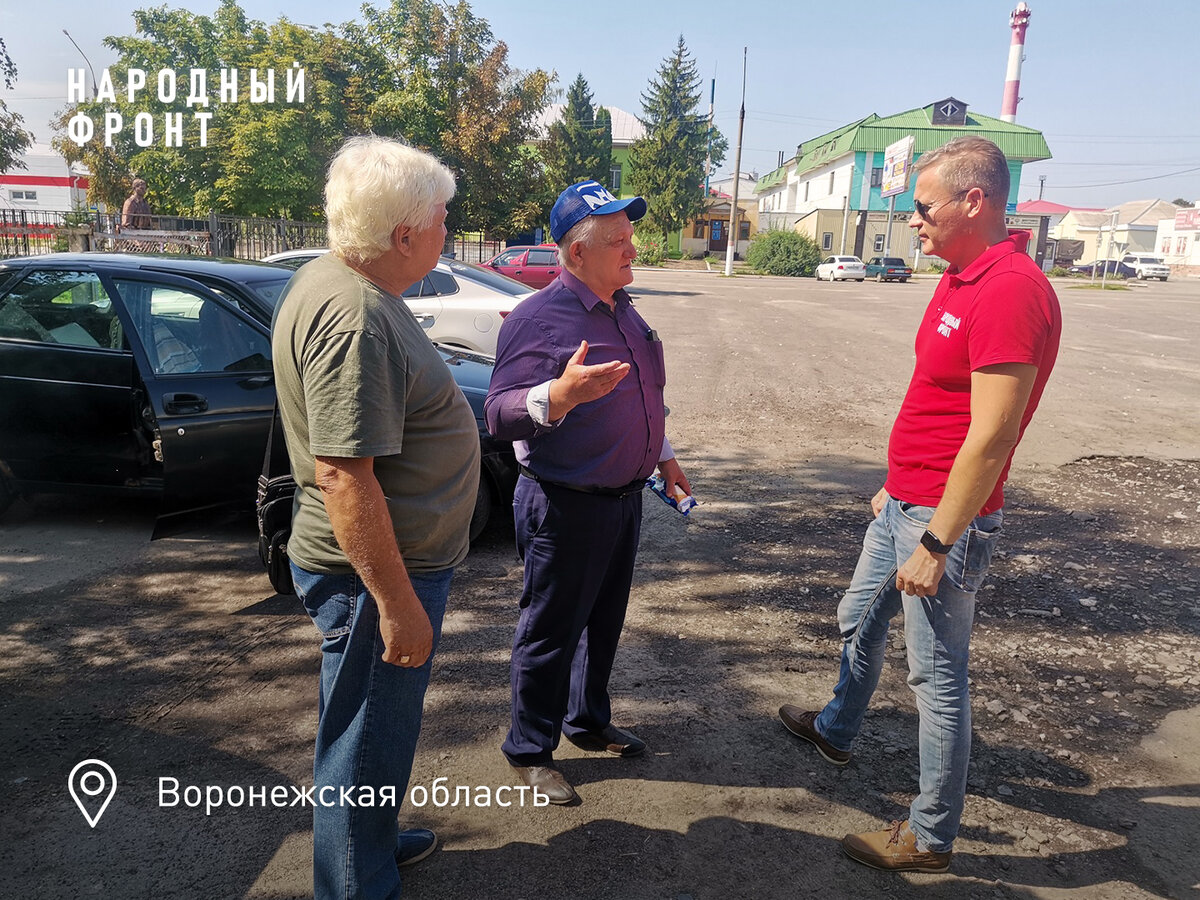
{"points": [[985, 348]]}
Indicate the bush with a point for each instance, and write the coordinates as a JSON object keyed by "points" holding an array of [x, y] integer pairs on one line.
{"points": [[1059, 272], [778, 252], [650, 250], [938, 267]]}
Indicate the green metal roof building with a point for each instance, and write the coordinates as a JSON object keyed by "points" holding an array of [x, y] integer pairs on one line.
{"points": [[843, 168]]}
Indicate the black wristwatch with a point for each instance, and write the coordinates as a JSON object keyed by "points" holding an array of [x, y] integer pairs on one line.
{"points": [[930, 542]]}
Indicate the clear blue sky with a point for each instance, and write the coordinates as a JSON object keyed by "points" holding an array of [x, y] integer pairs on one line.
{"points": [[1112, 86]]}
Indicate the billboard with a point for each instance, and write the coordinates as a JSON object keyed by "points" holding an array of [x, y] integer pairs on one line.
{"points": [[1187, 220], [897, 164]]}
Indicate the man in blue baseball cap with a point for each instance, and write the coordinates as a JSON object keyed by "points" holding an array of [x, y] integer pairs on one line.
{"points": [[586, 435]]}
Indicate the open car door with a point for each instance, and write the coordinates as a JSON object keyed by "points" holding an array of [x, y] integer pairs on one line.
{"points": [[209, 389]]}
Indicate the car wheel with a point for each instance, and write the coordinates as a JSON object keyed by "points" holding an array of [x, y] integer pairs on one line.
{"points": [[483, 507], [860, 279], [7, 494], [903, 280]]}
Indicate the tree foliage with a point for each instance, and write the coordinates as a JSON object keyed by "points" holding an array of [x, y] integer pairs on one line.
{"points": [[1180, 201], [579, 145], [14, 139], [667, 165], [430, 74], [779, 252], [447, 87]]}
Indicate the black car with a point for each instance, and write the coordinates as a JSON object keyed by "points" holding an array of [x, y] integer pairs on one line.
{"points": [[1111, 267], [144, 374]]}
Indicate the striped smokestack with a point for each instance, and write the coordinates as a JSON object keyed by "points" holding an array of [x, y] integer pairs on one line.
{"points": [[1018, 20]]}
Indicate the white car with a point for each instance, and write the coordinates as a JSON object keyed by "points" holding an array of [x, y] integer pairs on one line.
{"points": [[841, 268], [458, 304], [1147, 265]]}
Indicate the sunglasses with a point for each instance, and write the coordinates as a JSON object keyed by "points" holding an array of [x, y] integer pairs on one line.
{"points": [[923, 209]]}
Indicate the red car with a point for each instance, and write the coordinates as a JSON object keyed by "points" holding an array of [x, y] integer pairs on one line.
{"points": [[534, 266]]}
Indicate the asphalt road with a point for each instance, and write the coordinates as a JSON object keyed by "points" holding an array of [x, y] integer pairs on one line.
{"points": [[173, 659]]}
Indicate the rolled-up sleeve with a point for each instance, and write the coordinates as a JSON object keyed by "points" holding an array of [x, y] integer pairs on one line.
{"points": [[526, 356]]}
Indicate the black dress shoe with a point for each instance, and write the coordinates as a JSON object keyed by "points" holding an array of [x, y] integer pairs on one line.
{"points": [[549, 781], [611, 740]]}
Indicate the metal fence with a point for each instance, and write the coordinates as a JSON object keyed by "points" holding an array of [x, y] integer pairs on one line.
{"points": [[473, 248], [31, 232], [28, 232]]}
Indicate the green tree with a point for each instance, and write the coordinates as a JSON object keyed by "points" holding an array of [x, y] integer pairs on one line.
{"points": [[579, 144], [260, 158], [1180, 201], [446, 86], [14, 139], [667, 165]]}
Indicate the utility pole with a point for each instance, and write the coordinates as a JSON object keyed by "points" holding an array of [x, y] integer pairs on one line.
{"points": [[712, 96], [95, 90], [846, 215], [731, 241]]}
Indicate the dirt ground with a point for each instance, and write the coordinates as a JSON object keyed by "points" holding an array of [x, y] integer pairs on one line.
{"points": [[173, 659]]}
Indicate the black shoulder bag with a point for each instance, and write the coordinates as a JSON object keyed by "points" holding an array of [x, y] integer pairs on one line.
{"points": [[274, 510]]}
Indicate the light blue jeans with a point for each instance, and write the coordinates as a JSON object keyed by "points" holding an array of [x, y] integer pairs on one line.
{"points": [[937, 632], [370, 718]]}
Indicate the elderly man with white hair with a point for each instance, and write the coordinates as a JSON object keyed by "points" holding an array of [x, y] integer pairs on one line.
{"points": [[385, 454]]}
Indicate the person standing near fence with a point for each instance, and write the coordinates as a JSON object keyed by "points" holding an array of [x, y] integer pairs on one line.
{"points": [[136, 211]]}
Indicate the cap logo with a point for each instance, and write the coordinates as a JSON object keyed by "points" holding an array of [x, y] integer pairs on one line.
{"points": [[599, 197]]}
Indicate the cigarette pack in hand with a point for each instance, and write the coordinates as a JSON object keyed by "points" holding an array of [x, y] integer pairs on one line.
{"points": [[681, 501]]}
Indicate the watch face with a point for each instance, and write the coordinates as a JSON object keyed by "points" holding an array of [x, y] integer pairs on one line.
{"points": [[930, 542]]}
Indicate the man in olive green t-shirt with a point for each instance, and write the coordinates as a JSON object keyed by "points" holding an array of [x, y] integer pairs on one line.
{"points": [[385, 452]]}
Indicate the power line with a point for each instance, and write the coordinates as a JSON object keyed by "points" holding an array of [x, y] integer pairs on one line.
{"points": [[1130, 181]]}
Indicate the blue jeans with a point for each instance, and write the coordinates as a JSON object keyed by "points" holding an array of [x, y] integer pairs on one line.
{"points": [[937, 632], [369, 721]]}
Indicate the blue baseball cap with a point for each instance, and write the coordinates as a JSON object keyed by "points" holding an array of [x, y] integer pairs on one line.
{"points": [[589, 198]]}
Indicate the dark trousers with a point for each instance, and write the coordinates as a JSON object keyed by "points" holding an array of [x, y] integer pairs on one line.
{"points": [[579, 550]]}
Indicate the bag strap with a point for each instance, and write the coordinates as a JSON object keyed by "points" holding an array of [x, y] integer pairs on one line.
{"points": [[266, 472]]}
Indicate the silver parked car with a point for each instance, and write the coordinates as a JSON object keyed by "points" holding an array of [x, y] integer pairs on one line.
{"points": [[458, 304], [841, 268]]}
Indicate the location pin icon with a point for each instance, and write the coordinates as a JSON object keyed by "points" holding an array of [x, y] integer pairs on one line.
{"points": [[87, 782]]}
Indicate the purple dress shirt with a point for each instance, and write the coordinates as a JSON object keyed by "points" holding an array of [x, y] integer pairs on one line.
{"points": [[609, 442]]}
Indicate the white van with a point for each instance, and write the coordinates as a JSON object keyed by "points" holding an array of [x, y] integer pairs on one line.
{"points": [[1147, 265]]}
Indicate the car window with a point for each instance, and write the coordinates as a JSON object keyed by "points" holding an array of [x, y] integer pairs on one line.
{"points": [[543, 257], [56, 307], [509, 258], [828, 259], [487, 277], [892, 261], [443, 283], [185, 332], [422, 288]]}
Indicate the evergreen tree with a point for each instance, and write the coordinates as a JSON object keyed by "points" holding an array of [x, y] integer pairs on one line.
{"points": [[579, 146], [667, 165]]}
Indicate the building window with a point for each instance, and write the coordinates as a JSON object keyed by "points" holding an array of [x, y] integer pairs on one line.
{"points": [[1166, 246], [827, 240], [1181, 246], [614, 176], [743, 231], [23, 196], [879, 243], [698, 228], [877, 176]]}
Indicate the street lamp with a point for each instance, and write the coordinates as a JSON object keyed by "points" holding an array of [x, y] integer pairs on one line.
{"points": [[95, 90]]}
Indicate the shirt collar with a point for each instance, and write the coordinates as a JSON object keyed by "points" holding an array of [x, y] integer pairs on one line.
{"points": [[586, 295], [987, 259]]}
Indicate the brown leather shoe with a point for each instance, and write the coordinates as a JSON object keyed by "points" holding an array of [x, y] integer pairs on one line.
{"points": [[895, 850], [611, 740], [803, 725], [549, 781]]}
